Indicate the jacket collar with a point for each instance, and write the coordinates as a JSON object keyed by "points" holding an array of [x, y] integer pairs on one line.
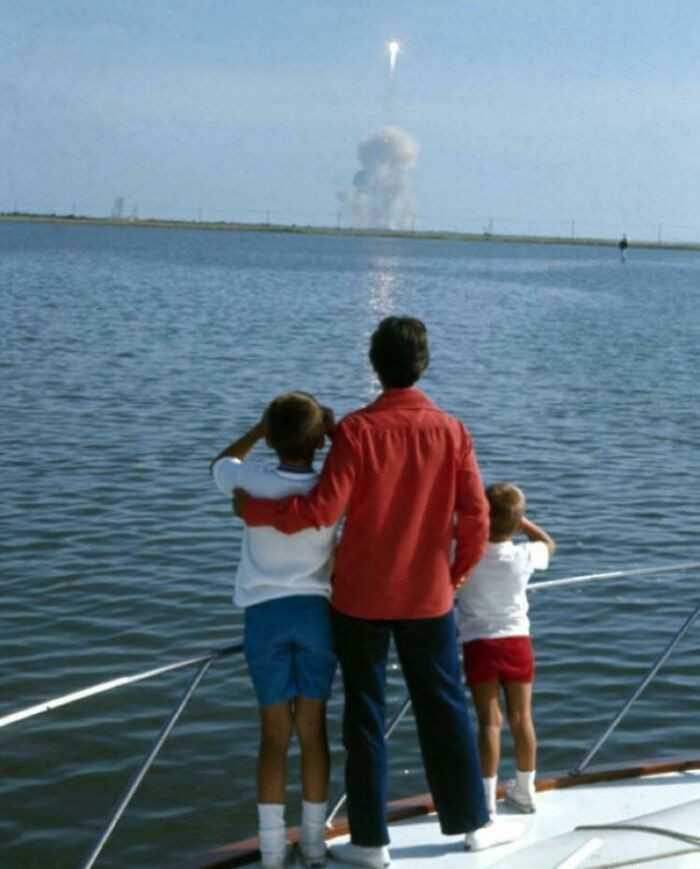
{"points": [[411, 397]]}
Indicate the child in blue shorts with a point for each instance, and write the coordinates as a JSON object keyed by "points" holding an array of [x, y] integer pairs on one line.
{"points": [[283, 584]]}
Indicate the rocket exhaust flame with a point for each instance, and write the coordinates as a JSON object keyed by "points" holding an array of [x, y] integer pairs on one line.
{"points": [[381, 194], [393, 53]]}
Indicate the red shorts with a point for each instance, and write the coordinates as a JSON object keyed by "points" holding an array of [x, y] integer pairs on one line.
{"points": [[508, 659]]}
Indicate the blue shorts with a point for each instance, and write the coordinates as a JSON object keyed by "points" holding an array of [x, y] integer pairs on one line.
{"points": [[288, 648]]}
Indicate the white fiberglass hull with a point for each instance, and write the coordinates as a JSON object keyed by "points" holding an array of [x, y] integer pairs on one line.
{"points": [[665, 796], [670, 801]]}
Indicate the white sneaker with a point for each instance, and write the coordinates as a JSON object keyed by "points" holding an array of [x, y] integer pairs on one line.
{"points": [[374, 858], [496, 832], [520, 800]]}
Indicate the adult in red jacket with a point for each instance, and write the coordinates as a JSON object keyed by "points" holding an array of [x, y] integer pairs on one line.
{"points": [[405, 476]]}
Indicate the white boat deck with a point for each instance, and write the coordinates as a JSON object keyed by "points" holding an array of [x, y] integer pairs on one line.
{"points": [[549, 840]]}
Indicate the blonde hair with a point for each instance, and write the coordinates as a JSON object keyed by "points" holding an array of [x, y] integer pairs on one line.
{"points": [[507, 505]]}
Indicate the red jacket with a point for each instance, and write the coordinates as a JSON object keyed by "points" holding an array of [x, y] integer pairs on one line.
{"points": [[405, 475]]}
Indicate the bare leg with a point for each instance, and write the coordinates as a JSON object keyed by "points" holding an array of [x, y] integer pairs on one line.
{"points": [[490, 718], [275, 732], [519, 706], [310, 723]]}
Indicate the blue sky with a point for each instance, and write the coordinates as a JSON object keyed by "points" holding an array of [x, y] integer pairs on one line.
{"points": [[543, 116]]}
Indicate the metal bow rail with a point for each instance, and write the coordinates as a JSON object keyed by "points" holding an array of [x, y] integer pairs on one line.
{"points": [[561, 583], [205, 661], [653, 670], [656, 665]]}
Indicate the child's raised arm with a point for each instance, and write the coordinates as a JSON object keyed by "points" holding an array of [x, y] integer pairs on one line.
{"points": [[240, 448], [537, 534]]}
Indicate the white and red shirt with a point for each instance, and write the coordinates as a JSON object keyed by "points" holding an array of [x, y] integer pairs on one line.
{"points": [[272, 564], [405, 475]]}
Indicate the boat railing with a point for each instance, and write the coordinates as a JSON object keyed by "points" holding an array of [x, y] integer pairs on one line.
{"points": [[651, 673], [627, 705], [203, 662], [655, 666]]}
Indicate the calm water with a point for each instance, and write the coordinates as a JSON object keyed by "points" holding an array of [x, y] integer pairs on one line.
{"points": [[129, 357]]}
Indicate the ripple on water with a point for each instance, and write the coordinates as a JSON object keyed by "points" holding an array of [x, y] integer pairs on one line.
{"points": [[130, 358]]}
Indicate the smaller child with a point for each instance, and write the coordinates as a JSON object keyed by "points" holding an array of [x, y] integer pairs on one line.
{"points": [[283, 584], [495, 630]]}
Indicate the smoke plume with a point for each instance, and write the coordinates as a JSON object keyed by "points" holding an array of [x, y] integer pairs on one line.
{"points": [[381, 194]]}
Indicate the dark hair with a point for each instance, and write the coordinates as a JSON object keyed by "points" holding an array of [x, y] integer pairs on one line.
{"points": [[294, 426], [507, 504], [399, 351]]}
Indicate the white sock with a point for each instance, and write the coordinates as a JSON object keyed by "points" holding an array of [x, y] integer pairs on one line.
{"points": [[525, 781], [313, 827], [273, 833], [490, 793]]}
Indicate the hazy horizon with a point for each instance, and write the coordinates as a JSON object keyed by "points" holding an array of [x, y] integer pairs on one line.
{"points": [[540, 118]]}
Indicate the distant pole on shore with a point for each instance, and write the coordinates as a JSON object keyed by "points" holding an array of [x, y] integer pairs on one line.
{"points": [[622, 245]]}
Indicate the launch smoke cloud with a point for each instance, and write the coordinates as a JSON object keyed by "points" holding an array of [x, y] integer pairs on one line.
{"points": [[381, 194]]}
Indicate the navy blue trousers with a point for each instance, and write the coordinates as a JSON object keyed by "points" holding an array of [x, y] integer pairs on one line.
{"points": [[427, 650]]}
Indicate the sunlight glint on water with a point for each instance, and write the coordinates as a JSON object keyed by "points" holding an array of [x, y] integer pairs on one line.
{"points": [[129, 357]]}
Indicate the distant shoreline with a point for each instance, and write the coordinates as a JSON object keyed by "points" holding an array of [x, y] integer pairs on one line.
{"points": [[294, 229]]}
